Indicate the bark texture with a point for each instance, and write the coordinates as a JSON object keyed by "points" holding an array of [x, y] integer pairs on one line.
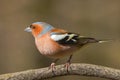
{"points": [[60, 70]]}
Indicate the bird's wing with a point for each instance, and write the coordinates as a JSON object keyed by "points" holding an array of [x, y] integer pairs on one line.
{"points": [[68, 38], [65, 38]]}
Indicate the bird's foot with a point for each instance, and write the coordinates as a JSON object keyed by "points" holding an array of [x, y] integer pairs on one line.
{"points": [[52, 67], [67, 65]]}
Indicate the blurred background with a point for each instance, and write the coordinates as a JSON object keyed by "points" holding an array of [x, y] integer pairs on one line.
{"points": [[93, 18]]}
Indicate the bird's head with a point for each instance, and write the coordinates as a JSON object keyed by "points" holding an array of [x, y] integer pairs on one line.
{"points": [[39, 28]]}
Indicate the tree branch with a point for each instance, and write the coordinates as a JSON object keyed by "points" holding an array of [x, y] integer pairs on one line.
{"points": [[74, 69]]}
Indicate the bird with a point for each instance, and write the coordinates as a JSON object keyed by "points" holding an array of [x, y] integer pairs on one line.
{"points": [[57, 43]]}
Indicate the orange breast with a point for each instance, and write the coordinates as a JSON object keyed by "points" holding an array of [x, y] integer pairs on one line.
{"points": [[47, 46], [52, 49]]}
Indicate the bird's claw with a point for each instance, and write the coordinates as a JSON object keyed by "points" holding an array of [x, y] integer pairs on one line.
{"points": [[67, 65], [52, 67]]}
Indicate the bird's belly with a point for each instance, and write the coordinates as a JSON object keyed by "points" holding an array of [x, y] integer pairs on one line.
{"points": [[53, 50], [63, 53]]}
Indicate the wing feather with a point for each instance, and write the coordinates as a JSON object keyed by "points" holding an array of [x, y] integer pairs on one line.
{"points": [[65, 38], [72, 39]]}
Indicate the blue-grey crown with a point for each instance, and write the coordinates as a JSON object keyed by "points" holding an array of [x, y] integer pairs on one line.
{"points": [[47, 27]]}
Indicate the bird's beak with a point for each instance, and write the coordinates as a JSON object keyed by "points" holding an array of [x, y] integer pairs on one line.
{"points": [[28, 29]]}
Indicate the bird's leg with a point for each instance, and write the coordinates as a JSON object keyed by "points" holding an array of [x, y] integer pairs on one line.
{"points": [[52, 66], [68, 62]]}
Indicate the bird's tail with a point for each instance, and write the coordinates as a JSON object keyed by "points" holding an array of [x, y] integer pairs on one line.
{"points": [[84, 40], [102, 41]]}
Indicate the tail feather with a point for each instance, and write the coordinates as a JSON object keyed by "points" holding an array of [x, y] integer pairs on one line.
{"points": [[85, 40], [102, 41]]}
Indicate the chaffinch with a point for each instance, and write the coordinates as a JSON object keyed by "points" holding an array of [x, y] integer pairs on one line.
{"points": [[56, 43]]}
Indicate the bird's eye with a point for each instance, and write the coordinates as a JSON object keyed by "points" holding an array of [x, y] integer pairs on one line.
{"points": [[32, 27]]}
